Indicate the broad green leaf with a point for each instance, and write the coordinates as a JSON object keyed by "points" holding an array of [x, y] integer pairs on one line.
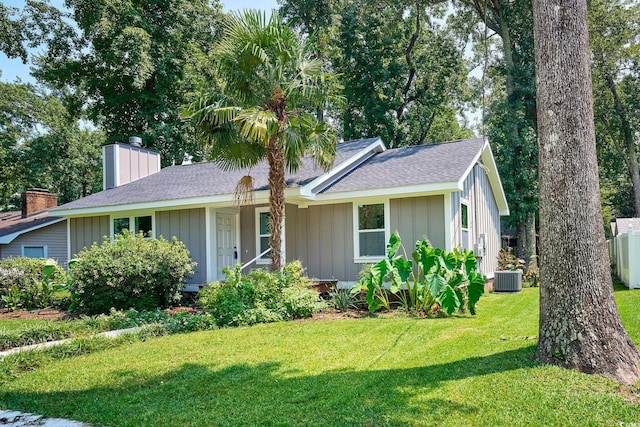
{"points": [[448, 300], [435, 283], [469, 261], [48, 269], [380, 270], [403, 267], [475, 289], [393, 245]]}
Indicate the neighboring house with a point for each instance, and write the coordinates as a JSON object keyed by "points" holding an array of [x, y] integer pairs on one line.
{"points": [[335, 222], [31, 232], [622, 225]]}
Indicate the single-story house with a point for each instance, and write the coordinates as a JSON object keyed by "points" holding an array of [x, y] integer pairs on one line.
{"points": [[32, 232], [336, 221], [623, 225]]}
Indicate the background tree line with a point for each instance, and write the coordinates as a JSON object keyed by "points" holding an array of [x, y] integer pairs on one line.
{"points": [[107, 70]]}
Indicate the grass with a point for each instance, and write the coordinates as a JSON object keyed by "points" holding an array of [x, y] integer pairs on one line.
{"points": [[364, 372], [14, 325]]}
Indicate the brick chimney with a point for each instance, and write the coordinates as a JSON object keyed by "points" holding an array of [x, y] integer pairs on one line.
{"points": [[37, 199]]}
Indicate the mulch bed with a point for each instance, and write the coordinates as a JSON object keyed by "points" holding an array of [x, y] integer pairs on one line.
{"points": [[45, 314]]}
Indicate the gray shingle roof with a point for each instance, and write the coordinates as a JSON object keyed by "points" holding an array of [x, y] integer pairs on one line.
{"points": [[205, 179], [12, 222], [423, 164], [623, 224]]}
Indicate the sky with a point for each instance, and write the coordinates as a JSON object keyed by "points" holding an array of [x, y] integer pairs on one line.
{"points": [[14, 68]]}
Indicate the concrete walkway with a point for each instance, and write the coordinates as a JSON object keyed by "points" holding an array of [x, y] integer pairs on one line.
{"points": [[108, 334], [19, 419]]}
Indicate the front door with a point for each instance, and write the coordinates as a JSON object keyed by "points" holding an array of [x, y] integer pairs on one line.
{"points": [[226, 242]]}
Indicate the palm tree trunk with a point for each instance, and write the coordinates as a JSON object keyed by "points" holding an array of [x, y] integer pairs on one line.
{"points": [[277, 184], [275, 158]]}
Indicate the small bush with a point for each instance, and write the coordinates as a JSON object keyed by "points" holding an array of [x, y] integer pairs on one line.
{"points": [[24, 283], [261, 296], [130, 272]]}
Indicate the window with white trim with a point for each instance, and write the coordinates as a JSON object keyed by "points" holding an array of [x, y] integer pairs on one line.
{"points": [[142, 224], [34, 251], [371, 230], [263, 234], [464, 215]]}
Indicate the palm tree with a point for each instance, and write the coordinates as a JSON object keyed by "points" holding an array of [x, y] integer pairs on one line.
{"points": [[270, 85]]}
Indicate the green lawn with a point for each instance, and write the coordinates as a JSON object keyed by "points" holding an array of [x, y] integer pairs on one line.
{"points": [[362, 372]]}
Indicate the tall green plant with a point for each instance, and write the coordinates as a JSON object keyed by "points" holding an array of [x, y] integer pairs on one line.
{"points": [[432, 275]]}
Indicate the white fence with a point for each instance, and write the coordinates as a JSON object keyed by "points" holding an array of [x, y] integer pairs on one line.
{"points": [[624, 253]]}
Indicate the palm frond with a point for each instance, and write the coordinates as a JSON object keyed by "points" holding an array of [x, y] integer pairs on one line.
{"points": [[257, 124], [245, 191]]}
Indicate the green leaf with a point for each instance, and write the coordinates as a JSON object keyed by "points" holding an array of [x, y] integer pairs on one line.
{"points": [[393, 245], [403, 267], [426, 256], [448, 300], [48, 269], [436, 283], [475, 289], [469, 261], [380, 270]]}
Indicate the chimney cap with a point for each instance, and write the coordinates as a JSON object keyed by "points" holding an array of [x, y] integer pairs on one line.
{"points": [[136, 141]]}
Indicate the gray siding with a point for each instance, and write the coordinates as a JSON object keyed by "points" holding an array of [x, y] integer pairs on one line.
{"points": [[108, 166], [86, 231], [484, 217], [188, 226], [418, 218], [248, 235], [321, 237], [53, 236]]}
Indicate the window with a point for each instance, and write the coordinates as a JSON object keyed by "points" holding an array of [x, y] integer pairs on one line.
{"points": [[34, 251], [263, 235], [371, 231], [464, 215], [119, 225], [143, 224]]}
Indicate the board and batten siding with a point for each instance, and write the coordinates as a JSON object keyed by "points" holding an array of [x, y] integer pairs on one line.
{"points": [[321, 237], [484, 217], [188, 226], [416, 218], [83, 232], [54, 237]]}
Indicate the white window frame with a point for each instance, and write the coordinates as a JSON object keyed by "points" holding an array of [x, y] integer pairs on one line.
{"points": [[357, 258], [132, 221], [44, 250], [261, 261], [464, 202]]}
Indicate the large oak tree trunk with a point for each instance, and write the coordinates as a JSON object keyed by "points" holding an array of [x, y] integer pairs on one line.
{"points": [[580, 327]]}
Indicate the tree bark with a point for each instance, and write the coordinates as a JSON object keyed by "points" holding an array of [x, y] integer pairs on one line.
{"points": [[580, 327], [276, 161], [277, 184]]}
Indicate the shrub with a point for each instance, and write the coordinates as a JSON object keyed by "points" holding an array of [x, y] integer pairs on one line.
{"points": [[130, 272], [260, 296], [28, 283], [508, 261]]}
